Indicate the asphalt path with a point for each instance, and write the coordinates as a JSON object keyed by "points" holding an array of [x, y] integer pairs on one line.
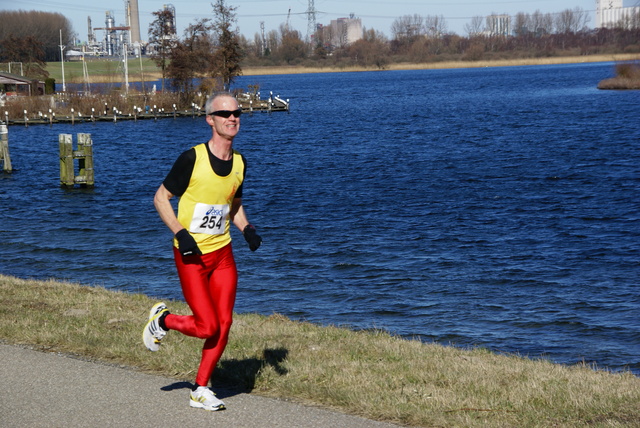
{"points": [[40, 389]]}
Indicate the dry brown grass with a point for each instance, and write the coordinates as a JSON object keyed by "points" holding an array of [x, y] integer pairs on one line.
{"points": [[627, 77], [372, 374], [103, 72], [251, 71]]}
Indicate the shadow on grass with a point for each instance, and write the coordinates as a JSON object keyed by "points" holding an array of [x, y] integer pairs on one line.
{"points": [[237, 376], [241, 375]]}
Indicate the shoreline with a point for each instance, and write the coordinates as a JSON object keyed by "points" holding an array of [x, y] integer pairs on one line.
{"points": [[276, 70], [424, 384], [282, 70]]}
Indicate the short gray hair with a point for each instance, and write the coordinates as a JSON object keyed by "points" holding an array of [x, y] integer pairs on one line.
{"points": [[208, 106]]}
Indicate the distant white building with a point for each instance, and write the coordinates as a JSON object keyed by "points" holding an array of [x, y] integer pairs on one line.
{"points": [[343, 31], [610, 13], [499, 25]]}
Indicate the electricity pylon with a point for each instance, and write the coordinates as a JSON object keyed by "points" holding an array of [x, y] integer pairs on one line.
{"points": [[311, 20]]}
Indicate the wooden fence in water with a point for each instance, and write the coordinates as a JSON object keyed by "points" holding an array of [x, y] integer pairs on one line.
{"points": [[84, 155]]}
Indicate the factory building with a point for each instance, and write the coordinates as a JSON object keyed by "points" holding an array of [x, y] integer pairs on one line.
{"points": [[112, 39], [611, 13]]}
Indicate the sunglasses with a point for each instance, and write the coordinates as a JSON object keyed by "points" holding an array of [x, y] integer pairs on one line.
{"points": [[226, 113]]}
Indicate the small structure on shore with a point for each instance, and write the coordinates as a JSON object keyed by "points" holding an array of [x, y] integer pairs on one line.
{"points": [[13, 84]]}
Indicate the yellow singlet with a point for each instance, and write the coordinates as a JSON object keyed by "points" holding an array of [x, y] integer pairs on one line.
{"points": [[204, 207]]}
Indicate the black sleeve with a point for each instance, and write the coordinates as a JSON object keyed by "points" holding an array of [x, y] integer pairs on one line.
{"points": [[244, 174], [178, 178]]}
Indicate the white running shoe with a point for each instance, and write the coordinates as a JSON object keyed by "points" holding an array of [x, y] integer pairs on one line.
{"points": [[204, 398], [153, 333]]}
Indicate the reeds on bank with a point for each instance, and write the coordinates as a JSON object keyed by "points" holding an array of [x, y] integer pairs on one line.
{"points": [[367, 373], [627, 77]]}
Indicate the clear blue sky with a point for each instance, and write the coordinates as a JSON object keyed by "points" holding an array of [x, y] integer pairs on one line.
{"points": [[376, 14]]}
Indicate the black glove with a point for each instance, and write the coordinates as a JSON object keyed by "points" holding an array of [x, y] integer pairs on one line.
{"points": [[252, 237], [186, 244]]}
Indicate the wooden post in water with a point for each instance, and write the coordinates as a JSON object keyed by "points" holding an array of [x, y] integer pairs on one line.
{"points": [[67, 175], [85, 160], [4, 148], [84, 154]]}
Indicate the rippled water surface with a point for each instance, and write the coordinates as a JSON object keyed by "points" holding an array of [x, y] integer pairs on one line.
{"points": [[482, 207]]}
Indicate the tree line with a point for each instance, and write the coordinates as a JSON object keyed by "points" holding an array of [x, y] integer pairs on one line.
{"points": [[33, 38], [418, 39], [215, 51], [210, 48]]}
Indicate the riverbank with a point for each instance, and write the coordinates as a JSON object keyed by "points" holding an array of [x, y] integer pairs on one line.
{"points": [[251, 71], [367, 373], [109, 75]]}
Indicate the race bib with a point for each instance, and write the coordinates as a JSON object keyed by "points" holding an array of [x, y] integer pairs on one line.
{"points": [[209, 219]]}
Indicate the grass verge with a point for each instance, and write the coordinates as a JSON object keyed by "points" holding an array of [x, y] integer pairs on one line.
{"points": [[104, 70], [371, 374]]}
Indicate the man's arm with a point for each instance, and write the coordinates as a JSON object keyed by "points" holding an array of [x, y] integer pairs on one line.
{"points": [[165, 210], [186, 244], [238, 215], [239, 218]]}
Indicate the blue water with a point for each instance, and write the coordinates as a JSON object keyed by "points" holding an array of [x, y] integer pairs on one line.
{"points": [[495, 207]]}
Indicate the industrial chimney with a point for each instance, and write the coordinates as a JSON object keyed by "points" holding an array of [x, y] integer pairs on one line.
{"points": [[133, 18]]}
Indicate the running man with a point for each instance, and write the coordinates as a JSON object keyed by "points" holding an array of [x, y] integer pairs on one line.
{"points": [[208, 180]]}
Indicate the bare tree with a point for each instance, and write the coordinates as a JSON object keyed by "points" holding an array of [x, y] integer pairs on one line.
{"points": [[571, 21], [474, 28], [435, 26], [547, 23], [522, 24], [292, 46], [258, 45], [321, 45], [371, 50], [273, 41], [537, 22], [408, 27], [629, 21], [635, 20]]}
